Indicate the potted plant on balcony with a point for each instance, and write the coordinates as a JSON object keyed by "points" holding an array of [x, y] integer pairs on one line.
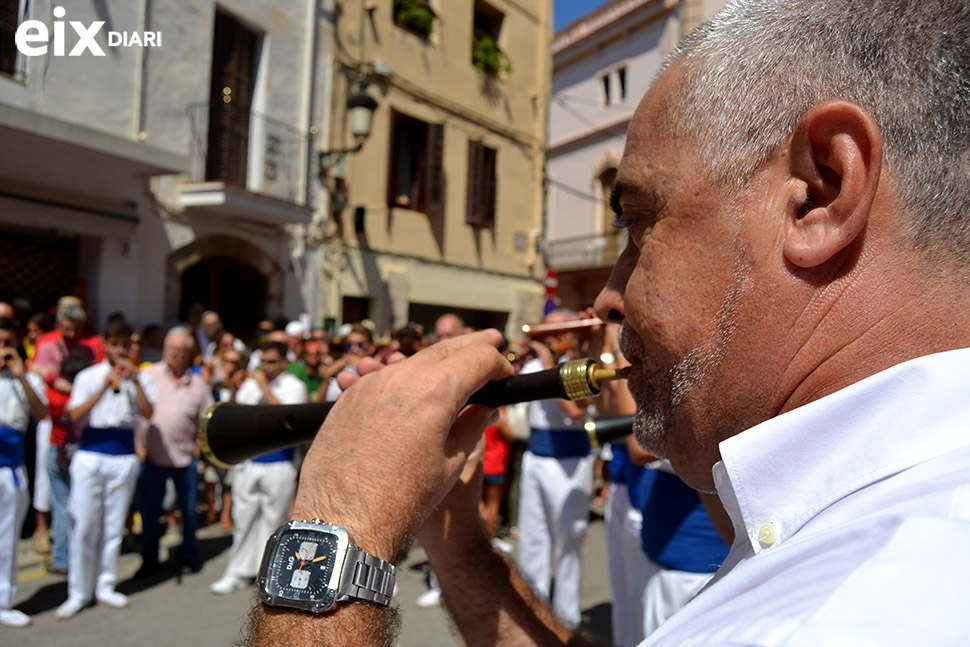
{"points": [[487, 56], [415, 15]]}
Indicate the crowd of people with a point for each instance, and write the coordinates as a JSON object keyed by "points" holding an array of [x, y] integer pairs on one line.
{"points": [[117, 421]]}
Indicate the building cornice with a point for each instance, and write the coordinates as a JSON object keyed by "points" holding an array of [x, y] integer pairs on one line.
{"points": [[601, 18]]}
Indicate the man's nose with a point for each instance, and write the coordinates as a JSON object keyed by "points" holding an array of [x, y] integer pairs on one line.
{"points": [[609, 303]]}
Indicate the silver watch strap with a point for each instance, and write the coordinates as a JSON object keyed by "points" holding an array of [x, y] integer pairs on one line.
{"points": [[367, 577]]}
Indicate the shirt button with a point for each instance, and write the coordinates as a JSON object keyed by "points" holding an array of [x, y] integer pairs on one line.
{"points": [[768, 534]]}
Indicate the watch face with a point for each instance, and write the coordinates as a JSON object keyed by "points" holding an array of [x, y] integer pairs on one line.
{"points": [[301, 569]]}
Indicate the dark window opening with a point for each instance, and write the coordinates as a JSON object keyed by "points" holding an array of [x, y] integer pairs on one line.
{"points": [[621, 77], [355, 309], [9, 21], [235, 290], [486, 30], [234, 57], [416, 176], [480, 207], [488, 20], [605, 80]]}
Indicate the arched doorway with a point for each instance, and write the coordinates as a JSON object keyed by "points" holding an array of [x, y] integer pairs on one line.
{"points": [[235, 278], [235, 290]]}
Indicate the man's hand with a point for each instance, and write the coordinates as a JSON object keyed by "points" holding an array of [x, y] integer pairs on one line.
{"points": [[544, 354], [594, 341], [112, 378], [10, 358], [236, 379], [457, 521], [396, 441], [127, 367], [259, 378]]}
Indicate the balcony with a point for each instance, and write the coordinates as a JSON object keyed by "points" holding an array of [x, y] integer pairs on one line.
{"points": [[585, 252], [246, 164]]}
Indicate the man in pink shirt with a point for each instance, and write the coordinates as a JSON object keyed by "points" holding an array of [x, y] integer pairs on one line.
{"points": [[170, 449]]}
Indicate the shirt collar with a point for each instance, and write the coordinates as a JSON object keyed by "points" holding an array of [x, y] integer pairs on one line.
{"points": [[776, 476], [185, 379]]}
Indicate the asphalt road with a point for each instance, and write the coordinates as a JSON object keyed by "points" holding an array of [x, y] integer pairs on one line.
{"points": [[165, 611]]}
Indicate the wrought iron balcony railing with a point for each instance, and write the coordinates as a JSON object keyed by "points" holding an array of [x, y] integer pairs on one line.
{"points": [[241, 147], [585, 252]]}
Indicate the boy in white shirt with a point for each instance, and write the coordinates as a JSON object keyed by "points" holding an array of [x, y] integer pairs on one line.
{"points": [[109, 399]]}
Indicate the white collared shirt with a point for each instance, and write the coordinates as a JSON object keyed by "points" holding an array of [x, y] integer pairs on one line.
{"points": [[287, 388], [851, 517], [548, 414], [14, 407], [112, 410]]}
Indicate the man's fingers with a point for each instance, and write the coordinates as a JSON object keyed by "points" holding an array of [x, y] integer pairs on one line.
{"points": [[368, 365], [445, 349], [346, 379], [467, 431]]}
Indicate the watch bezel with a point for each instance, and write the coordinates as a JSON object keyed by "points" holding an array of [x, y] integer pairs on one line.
{"points": [[332, 595]]}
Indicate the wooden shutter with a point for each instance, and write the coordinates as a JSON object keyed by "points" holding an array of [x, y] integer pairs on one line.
{"points": [[480, 204], [230, 98], [392, 179], [475, 198], [488, 183], [434, 175]]}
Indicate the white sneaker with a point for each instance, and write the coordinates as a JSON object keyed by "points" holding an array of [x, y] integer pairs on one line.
{"points": [[14, 618], [228, 584], [70, 608], [112, 599], [428, 599]]}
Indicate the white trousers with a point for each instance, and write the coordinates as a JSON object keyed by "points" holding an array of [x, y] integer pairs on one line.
{"points": [[42, 481], [261, 497], [666, 592], [629, 567], [101, 489], [554, 498], [13, 511]]}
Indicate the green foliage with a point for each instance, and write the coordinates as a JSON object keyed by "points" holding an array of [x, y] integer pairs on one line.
{"points": [[414, 15], [487, 56]]}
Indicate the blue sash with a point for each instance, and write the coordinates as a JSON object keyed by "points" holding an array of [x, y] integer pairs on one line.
{"points": [[559, 443], [11, 450], [620, 463], [114, 441], [278, 456], [677, 533]]}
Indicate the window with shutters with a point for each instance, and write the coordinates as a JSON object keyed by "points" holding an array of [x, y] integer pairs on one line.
{"points": [[416, 176], [480, 209], [235, 50], [12, 13]]}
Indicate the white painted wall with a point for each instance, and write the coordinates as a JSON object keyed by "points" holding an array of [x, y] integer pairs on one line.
{"points": [[585, 134], [141, 96]]}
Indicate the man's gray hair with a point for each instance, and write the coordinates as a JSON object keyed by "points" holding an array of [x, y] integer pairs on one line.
{"points": [[178, 331], [72, 312], [757, 66]]}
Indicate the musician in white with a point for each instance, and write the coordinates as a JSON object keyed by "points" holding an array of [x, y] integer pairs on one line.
{"points": [[21, 395]]}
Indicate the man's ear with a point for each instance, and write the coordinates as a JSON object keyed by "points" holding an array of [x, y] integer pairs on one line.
{"points": [[836, 155]]}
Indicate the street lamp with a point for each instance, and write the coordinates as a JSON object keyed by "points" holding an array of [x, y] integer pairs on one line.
{"points": [[360, 111]]}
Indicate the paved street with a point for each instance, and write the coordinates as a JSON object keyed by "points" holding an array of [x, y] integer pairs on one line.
{"points": [[164, 611]]}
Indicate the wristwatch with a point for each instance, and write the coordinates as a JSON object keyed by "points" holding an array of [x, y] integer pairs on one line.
{"points": [[312, 565]]}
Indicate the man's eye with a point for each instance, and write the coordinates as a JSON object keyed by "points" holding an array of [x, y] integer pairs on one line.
{"points": [[620, 223]]}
